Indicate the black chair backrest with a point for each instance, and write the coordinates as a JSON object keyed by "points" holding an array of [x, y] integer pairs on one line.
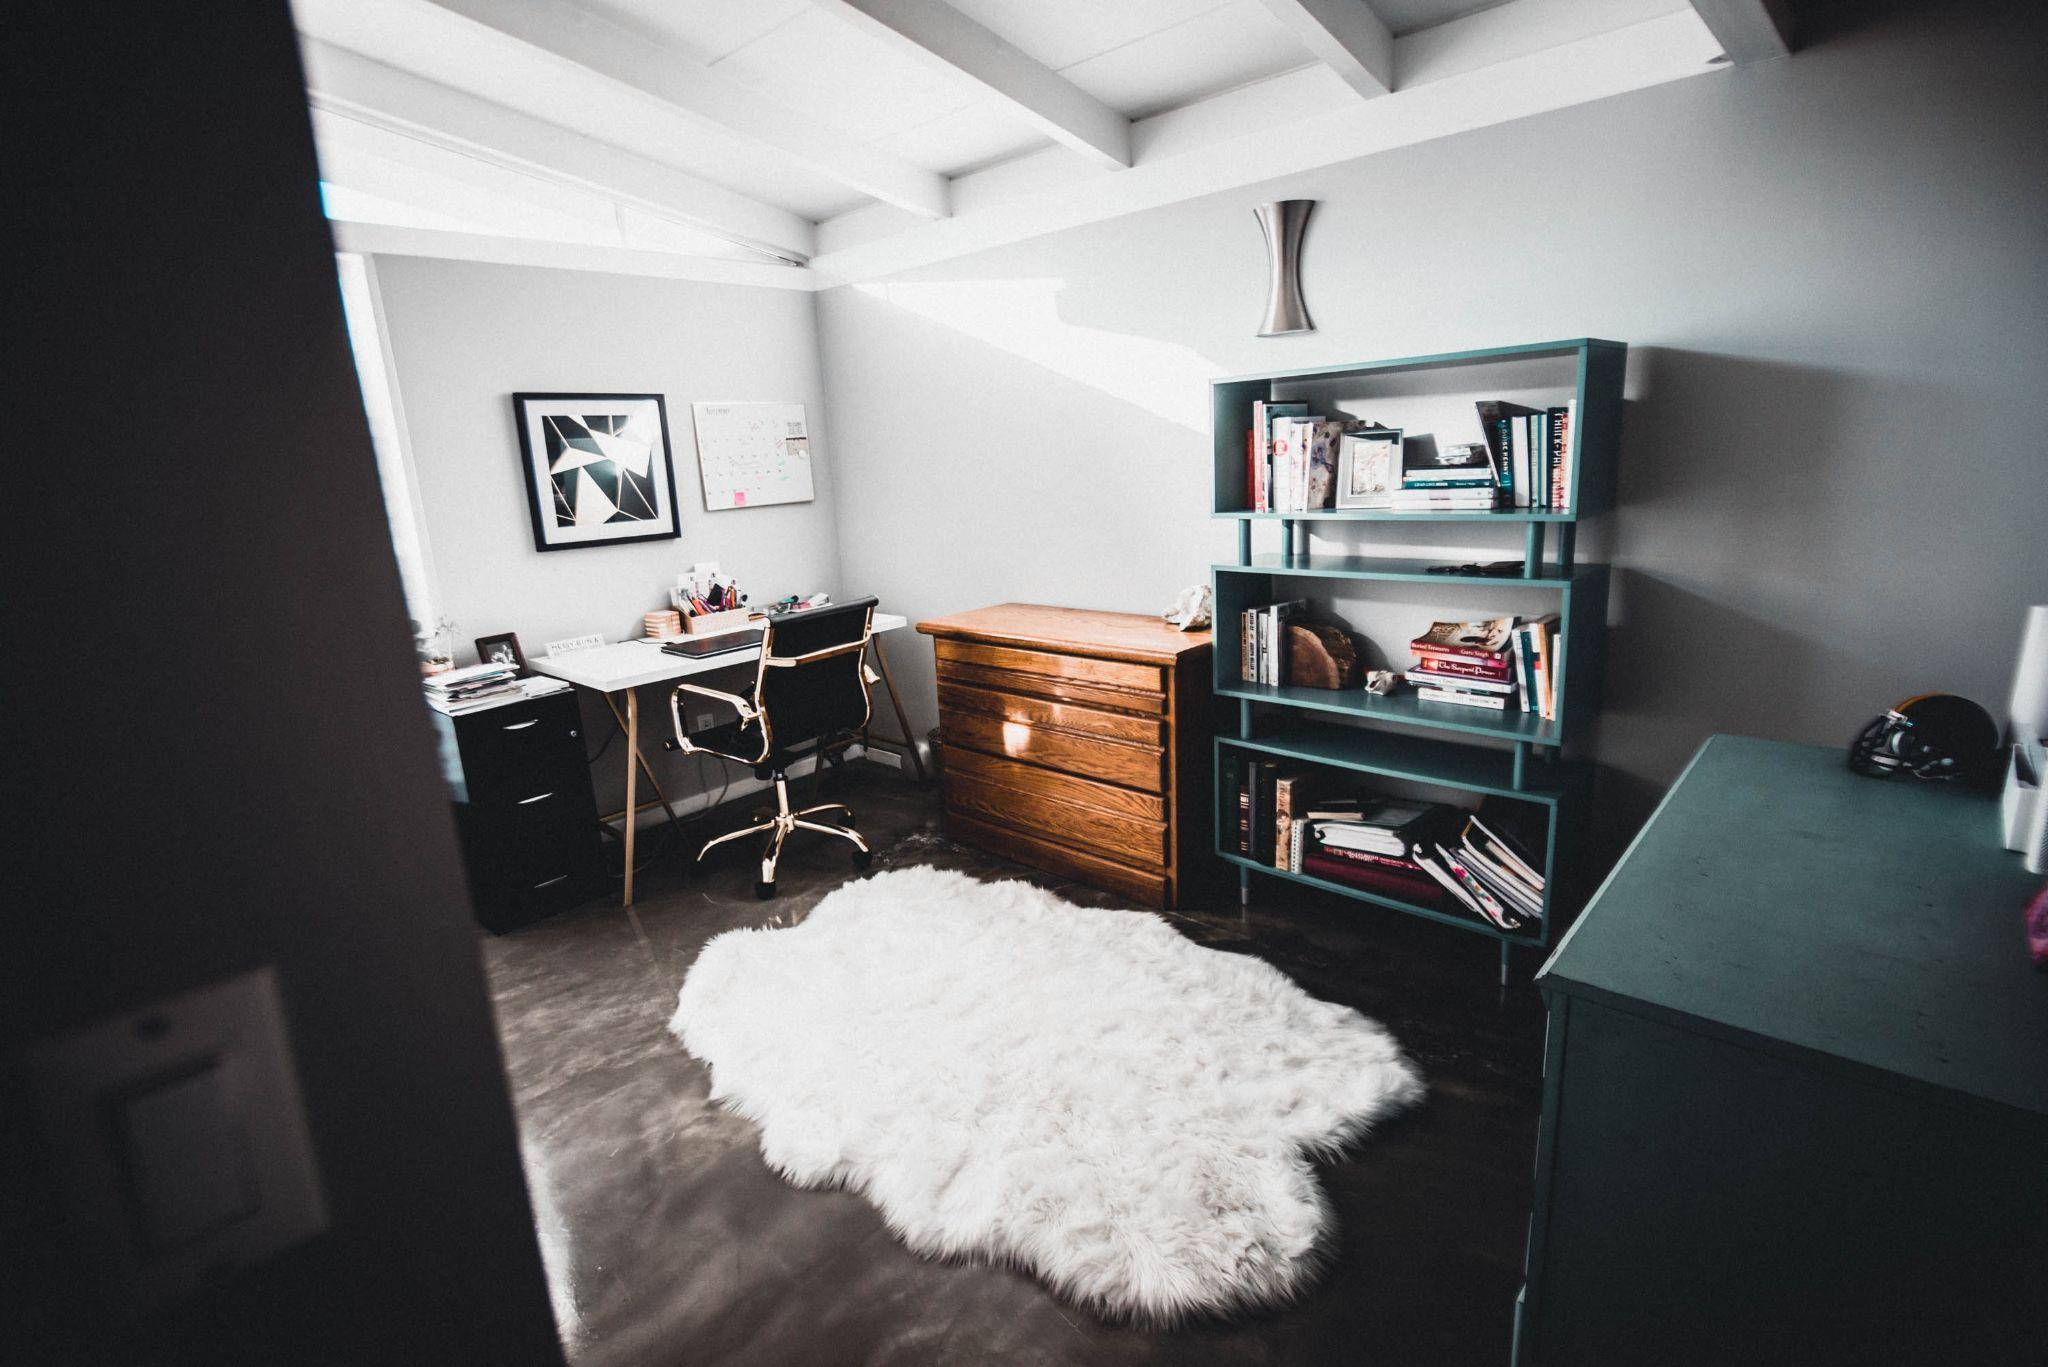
{"points": [[817, 697]]}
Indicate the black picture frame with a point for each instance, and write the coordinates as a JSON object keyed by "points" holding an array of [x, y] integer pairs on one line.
{"points": [[555, 518], [485, 644]]}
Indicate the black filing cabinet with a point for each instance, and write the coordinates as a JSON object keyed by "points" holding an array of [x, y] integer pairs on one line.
{"points": [[524, 808]]}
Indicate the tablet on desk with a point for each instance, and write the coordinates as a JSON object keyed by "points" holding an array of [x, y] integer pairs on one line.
{"points": [[720, 643]]}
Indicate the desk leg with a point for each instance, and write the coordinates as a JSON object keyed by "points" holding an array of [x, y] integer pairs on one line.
{"points": [[902, 722], [632, 781], [645, 768]]}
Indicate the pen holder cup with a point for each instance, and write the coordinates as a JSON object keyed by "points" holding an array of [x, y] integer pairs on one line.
{"points": [[711, 623]]}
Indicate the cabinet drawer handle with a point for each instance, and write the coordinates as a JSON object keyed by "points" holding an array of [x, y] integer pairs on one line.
{"points": [[537, 797], [521, 725], [558, 878]]}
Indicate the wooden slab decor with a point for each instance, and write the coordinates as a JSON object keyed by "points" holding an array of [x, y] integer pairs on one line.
{"points": [[1321, 656], [1078, 742]]}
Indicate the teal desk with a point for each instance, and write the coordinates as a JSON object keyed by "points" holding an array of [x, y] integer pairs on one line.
{"points": [[1795, 1083]]}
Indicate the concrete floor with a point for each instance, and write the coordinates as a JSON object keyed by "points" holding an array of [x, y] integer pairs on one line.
{"points": [[671, 1243]]}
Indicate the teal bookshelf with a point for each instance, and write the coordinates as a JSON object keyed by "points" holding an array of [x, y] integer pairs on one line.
{"points": [[1400, 739]]}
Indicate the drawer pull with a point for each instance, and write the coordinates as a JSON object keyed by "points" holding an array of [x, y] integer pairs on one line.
{"points": [[537, 797], [558, 878], [521, 725]]}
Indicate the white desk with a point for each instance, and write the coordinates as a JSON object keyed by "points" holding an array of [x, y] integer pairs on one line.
{"points": [[626, 666]]}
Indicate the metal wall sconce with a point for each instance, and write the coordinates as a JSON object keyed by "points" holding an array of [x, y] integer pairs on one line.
{"points": [[1283, 221]]}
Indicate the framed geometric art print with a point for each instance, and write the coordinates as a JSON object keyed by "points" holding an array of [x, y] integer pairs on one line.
{"points": [[596, 468]]}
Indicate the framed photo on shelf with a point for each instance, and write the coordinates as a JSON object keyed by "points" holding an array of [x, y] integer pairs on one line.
{"points": [[502, 650], [1368, 468], [597, 468]]}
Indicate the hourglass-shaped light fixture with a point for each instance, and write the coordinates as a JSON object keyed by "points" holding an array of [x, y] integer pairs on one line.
{"points": [[1283, 221]]}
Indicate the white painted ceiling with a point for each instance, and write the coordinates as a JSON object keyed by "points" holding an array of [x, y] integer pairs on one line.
{"points": [[818, 67]]}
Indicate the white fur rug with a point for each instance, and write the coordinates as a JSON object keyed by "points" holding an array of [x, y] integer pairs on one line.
{"points": [[1084, 1093]]}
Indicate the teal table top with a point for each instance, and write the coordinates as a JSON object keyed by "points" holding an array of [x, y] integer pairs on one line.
{"points": [[1872, 922]]}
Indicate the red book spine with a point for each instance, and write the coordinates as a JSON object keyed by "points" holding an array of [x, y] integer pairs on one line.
{"points": [[1366, 857], [1431, 662]]}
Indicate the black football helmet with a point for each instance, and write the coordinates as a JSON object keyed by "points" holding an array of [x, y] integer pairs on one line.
{"points": [[1932, 736]]}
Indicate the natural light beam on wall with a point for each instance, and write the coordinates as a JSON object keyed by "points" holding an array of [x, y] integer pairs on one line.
{"points": [[1022, 317]]}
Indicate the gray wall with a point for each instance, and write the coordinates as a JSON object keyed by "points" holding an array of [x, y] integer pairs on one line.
{"points": [[1833, 273], [465, 337]]}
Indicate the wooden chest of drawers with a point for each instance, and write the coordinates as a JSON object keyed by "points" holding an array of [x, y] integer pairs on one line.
{"points": [[1078, 742]]}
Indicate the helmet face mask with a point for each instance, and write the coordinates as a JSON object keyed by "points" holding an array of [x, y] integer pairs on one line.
{"points": [[1935, 736]]}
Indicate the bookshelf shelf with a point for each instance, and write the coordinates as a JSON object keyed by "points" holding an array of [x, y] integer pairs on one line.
{"points": [[1402, 570], [1401, 709], [1513, 755], [1504, 516], [1462, 920]]}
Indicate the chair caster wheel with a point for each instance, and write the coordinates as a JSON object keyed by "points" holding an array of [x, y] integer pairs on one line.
{"points": [[764, 891], [863, 858]]}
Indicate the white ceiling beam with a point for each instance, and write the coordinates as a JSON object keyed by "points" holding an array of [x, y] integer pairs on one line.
{"points": [[709, 95], [1553, 70], [380, 239], [342, 82], [1345, 36], [1749, 30], [938, 35]]}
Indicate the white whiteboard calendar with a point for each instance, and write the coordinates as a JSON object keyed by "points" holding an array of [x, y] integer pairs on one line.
{"points": [[751, 454]]}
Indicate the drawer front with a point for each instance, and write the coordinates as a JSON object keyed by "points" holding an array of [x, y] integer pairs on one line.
{"points": [[1070, 789], [513, 752], [1050, 686], [1127, 838], [1094, 721], [1132, 766], [1080, 668], [1145, 887]]}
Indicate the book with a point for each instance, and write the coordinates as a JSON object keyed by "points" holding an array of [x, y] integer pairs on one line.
{"points": [[1382, 827], [1560, 455], [1489, 906], [1485, 638], [1495, 421], [1539, 635], [1434, 678], [1504, 849], [1493, 670], [1409, 885], [1319, 463], [1463, 465], [1460, 698], [1415, 501], [1265, 413], [1349, 856], [1290, 788]]}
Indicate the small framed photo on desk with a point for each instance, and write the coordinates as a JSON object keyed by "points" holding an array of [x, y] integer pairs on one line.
{"points": [[502, 650]]}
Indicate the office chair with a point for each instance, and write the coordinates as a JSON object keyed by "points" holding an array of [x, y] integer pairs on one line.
{"points": [[810, 688]]}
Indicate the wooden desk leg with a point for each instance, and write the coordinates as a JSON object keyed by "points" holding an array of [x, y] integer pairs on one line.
{"points": [[896, 701], [645, 767], [632, 781]]}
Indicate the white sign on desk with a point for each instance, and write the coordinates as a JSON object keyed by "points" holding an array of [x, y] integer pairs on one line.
{"points": [[751, 454]]}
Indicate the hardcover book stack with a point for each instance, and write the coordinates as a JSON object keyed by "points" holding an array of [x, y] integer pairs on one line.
{"points": [[1500, 664], [1427, 854], [1449, 479], [1291, 457]]}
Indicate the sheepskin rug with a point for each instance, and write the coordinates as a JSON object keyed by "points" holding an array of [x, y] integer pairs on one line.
{"points": [[1082, 1093]]}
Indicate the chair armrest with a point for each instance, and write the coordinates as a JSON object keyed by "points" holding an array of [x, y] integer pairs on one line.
{"points": [[744, 706]]}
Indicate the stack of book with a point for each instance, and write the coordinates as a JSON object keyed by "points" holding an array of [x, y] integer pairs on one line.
{"points": [[1489, 872], [1262, 641], [1292, 817], [465, 690], [1532, 449], [1499, 663], [1448, 479]]}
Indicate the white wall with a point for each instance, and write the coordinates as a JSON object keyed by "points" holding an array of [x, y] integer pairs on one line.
{"points": [[1833, 274], [465, 336]]}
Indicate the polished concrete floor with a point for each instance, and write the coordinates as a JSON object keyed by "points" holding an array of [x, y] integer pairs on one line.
{"points": [[670, 1242]]}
